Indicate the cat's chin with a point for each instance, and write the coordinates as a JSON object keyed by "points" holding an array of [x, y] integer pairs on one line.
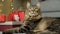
{"points": [[37, 17]]}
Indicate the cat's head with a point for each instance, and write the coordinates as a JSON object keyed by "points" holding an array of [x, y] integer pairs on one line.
{"points": [[33, 10]]}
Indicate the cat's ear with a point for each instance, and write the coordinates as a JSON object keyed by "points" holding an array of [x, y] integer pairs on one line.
{"points": [[28, 4], [38, 4]]}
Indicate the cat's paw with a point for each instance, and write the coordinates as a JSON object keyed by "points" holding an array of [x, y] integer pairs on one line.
{"points": [[35, 30], [40, 30]]}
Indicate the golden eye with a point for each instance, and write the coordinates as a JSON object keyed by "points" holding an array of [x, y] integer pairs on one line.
{"points": [[35, 9], [29, 9]]}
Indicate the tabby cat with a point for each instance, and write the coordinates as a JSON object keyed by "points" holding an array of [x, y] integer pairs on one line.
{"points": [[33, 13]]}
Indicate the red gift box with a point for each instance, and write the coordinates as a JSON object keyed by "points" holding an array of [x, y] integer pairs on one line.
{"points": [[11, 15], [19, 13], [2, 18]]}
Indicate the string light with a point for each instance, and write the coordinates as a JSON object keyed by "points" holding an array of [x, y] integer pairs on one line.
{"points": [[2, 0], [1, 4], [0, 11], [12, 8], [11, 5]]}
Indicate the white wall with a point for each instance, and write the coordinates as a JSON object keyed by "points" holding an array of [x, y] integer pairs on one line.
{"points": [[33, 2]]}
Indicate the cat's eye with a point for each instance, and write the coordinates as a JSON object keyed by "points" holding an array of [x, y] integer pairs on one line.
{"points": [[36, 9]]}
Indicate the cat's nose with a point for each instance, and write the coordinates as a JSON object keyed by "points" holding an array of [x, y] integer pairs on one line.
{"points": [[33, 10]]}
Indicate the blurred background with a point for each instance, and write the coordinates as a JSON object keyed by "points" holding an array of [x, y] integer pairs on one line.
{"points": [[49, 8]]}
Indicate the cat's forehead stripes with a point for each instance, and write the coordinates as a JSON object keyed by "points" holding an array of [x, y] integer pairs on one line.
{"points": [[33, 8]]}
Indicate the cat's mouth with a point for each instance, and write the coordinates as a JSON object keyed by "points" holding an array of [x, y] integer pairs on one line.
{"points": [[32, 14]]}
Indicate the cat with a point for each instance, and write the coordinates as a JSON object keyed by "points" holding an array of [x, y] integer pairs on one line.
{"points": [[34, 13]]}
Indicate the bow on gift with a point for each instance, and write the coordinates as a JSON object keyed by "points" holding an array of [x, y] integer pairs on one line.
{"points": [[16, 16]]}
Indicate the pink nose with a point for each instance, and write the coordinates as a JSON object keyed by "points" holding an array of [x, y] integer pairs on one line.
{"points": [[33, 10]]}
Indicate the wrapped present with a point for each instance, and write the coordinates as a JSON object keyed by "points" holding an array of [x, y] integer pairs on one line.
{"points": [[21, 15], [11, 15], [2, 18], [16, 13]]}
